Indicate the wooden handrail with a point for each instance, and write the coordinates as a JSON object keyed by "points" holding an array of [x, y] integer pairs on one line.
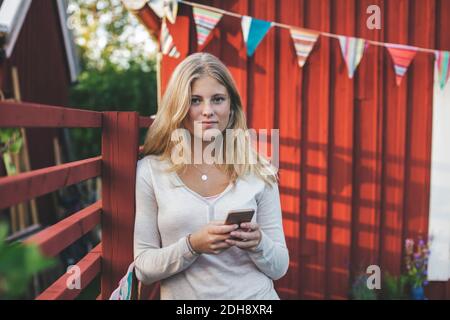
{"points": [[28, 185], [89, 267], [56, 238], [120, 136], [30, 115]]}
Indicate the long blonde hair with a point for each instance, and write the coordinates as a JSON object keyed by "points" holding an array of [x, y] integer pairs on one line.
{"points": [[175, 106]]}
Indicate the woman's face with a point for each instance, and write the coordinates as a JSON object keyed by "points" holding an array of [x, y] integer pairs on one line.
{"points": [[209, 110]]}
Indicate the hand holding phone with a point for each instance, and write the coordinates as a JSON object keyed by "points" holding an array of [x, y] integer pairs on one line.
{"points": [[238, 217]]}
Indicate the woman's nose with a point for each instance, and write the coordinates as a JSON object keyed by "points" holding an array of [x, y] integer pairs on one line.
{"points": [[207, 110]]}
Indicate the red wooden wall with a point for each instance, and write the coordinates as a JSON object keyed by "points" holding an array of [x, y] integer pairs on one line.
{"points": [[354, 154]]}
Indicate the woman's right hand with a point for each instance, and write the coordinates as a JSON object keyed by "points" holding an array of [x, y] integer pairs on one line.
{"points": [[211, 237]]}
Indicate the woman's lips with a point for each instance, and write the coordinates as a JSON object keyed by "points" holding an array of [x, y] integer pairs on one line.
{"points": [[208, 124]]}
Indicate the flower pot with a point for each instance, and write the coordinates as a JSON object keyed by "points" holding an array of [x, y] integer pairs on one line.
{"points": [[417, 293]]}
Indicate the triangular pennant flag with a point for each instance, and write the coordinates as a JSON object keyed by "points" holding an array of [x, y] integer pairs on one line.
{"points": [[171, 8], [442, 67], [165, 9], [304, 41], [402, 56], [254, 31], [205, 21], [352, 51], [167, 45]]}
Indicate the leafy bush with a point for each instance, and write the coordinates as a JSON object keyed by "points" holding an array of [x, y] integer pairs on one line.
{"points": [[394, 288], [18, 263], [360, 290]]}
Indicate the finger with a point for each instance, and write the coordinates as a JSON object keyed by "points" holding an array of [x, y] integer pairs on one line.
{"points": [[220, 245], [220, 238], [243, 244], [224, 228], [250, 225], [245, 235]]}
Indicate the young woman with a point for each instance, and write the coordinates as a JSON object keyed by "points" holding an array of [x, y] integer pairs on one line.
{"points": [[182, 199]]}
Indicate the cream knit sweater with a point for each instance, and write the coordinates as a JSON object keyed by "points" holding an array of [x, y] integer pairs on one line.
{"points": [[167, 211]]}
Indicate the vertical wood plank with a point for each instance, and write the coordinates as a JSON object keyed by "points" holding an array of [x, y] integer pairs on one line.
{"points": [[394, 139], [418, 152], [234, 54], [340, 156], [182, 37], [288, 82], [367, 160], [119, 158], [260, 72], [316, 144]]}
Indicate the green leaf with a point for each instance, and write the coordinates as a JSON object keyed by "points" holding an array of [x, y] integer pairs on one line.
{"points": [[16, 145], [19, 263]]}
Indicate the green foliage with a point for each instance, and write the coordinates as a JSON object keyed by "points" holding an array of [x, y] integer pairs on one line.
{"points": [[10, 140], [118, 68], [105, 31], [111, 89], [394, 288], [360, 291], [18, 263]]}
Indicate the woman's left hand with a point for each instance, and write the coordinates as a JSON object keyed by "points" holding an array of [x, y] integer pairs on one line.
{"points": [[250, 237]]}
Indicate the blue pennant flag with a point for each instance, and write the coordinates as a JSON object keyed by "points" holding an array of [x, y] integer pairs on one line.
{"points": [[254, 31]]}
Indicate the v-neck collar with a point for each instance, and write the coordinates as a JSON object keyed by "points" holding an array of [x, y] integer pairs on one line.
{"points": [[199, 196]]}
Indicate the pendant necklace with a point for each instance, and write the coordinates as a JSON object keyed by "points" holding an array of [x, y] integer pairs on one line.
{"points": [[204, 174]]}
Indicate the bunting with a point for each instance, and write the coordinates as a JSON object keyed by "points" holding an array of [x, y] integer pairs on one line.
{"points": [[304, 43], [205, 21], [254, 31], [442, 67], [402, 56], [352, 51], [165, 9], [167, 45]]}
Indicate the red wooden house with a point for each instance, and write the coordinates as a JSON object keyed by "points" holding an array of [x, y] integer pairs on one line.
{"points": [[37, 43], [354, 154]]}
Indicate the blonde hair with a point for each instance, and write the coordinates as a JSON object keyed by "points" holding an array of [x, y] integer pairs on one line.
{"points": [[175, 106]]}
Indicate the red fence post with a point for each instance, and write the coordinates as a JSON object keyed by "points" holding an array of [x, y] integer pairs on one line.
{"points": [[120, 139]]}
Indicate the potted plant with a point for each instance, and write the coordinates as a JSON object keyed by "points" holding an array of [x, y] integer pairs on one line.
{"points": [[416, 261]]}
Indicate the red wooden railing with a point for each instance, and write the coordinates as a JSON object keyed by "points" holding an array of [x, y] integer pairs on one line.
{"points": [[115, 212]]}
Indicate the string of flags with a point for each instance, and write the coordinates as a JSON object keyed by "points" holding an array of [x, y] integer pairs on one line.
{"points": [[254, 30], [167, 45]]}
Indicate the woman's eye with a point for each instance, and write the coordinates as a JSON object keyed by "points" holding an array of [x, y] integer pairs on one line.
{"points": [[218, 100], [195, 101]]}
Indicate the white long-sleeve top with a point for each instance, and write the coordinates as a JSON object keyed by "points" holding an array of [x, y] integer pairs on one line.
{"points": [[167, 211]]}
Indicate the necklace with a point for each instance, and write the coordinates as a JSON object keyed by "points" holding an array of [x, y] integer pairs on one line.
{"points": [[204, 176]]}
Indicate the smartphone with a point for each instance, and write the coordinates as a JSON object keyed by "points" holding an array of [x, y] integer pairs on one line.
{"points": [[239, 216]]}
